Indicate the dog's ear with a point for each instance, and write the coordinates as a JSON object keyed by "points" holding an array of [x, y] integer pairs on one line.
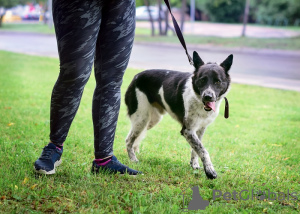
{"points": [[197, 60], [226, 64]]}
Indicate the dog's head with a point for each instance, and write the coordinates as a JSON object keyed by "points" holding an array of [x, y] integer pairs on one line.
{"points": [[210, 80]]}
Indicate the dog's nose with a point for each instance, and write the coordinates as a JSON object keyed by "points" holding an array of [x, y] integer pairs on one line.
{"points": [[208, 97]]}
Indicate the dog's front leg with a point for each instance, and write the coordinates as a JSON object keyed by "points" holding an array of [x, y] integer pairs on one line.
{"points": [[194, 157], [198, 147], [194, 160]]}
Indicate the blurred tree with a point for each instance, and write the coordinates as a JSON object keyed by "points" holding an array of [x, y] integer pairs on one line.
{"points": [[163, 11], [160, 11], [11, 3], [175, 3], [183, 5], [139, 3], [183, 12], [277, 12], [42, 1], [245, 19], [229, 11], [147, 3]]}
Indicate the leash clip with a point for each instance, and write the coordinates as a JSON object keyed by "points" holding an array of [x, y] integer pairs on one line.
{"points": [[191, 63], [190, 59]]}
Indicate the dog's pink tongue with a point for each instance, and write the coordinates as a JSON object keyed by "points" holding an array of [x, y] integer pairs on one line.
{"points": [[211, 105]]}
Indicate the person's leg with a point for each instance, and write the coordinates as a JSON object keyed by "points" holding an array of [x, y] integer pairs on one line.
{"points": [[113, 50], [77, 24]]}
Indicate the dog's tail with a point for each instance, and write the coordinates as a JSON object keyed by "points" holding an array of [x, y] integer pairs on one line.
{"points": [[130, 97]]}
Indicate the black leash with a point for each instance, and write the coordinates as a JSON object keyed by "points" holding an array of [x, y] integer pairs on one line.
{"points": [[179, 33], [181, 39], [226, 113]]}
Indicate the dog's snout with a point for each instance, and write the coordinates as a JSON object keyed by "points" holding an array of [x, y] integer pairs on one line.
{"points": [[208, 97]]}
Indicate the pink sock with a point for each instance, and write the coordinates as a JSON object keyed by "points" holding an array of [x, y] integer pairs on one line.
{"points": [[102, 162], [58, 147]]}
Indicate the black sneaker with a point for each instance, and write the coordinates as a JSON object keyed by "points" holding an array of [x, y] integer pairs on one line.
{"points": [[50, 158], [114, 166]]}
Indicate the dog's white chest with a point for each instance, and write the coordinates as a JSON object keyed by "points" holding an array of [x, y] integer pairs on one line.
{"points": [[195, 115]]}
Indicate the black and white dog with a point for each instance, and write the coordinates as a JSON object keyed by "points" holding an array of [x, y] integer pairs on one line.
{"points": [[193, 99]]}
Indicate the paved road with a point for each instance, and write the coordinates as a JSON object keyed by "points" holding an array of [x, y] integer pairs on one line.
{"points": [[266, 69]]}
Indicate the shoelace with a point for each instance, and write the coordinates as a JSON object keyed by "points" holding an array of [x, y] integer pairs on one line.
{"points": [[46, 154]]}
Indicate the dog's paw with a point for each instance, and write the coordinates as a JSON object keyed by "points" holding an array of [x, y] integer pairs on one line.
{"points": [[195, 165], [136, 149], [210, 172], [134, 159]]}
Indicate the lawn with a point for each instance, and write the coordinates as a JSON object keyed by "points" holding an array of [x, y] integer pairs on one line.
{"points": [[143, 35], [28, 27], [257, 149], [240, 42]]}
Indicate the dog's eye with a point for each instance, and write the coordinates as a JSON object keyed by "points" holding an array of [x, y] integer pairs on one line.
{"points": [[218, 82], [201, 81]]}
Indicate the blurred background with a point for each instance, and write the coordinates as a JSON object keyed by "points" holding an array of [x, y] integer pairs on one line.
{"points": [[258, 33], [257, 148]]}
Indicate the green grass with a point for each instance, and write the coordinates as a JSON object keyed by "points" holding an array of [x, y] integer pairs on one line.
{"points": [[32, 28], [257, 148], [291, 27], [240, 42], [143, 35]]}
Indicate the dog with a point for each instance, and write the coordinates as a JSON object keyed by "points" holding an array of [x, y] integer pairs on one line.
{"points": [[191, 98]]}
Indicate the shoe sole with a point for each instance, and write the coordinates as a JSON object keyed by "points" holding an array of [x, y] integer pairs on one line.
{"points": [[42, 171]]}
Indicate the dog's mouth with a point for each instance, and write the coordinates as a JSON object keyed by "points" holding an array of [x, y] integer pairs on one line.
{"points": [[208, 106]]}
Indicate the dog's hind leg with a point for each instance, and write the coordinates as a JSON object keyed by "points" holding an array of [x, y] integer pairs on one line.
{"points": [[139, 122], [141, 135], [197, 146], [194, 157], [155, 118]]}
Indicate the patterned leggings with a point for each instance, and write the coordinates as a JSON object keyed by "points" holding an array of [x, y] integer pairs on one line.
{"points": [[87, 32]]}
